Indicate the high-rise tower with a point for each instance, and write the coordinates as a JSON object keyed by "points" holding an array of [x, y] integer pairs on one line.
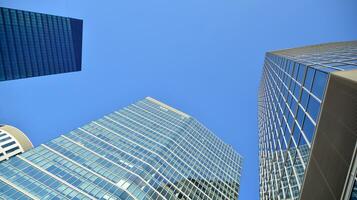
{"points": [[12, 142], [307, 122], [147, 150], [34, 44]]}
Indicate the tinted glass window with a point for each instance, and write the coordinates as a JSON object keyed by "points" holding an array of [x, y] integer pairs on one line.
{"points": [[309, 78], [297, 91], [302, 141], [291, 67], [308, 129], [319, 84], [293, 106], [295, 72], [304, 98], [300, 116], [313, 108], [301, 73], [296, 134]]}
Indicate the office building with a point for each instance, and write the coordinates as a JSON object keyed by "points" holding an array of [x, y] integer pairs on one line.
{"points": [[12, 142], [147, 150], [307, 114], [34, 44]]}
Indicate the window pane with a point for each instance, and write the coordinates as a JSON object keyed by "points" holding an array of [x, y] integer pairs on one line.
{"points": [[300, 116], [309, 77], [295, 72], [296, 134], [301, 73], [293, 106], [308, 129], [319, 84], [313, 108], [304, 98]]}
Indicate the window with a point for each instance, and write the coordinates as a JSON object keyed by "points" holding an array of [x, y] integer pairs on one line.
{"points": [[295, 72], [308, 129], [8, 144], [309, 78], [300, 116], [301, 73], [313, 108], [319, 84], [12, 150], [5, 139], [304, 98]]}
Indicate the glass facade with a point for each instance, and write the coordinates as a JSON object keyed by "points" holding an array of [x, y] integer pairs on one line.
{"points": [[290, 97], [34, 44], [147, 150]]}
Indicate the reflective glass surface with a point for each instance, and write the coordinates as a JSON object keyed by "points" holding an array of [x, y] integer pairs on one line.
{"points": [[34, 44], [144, 151], [291, 95]]}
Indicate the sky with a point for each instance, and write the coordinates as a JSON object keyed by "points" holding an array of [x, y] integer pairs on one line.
{"points": [[202, 57]]}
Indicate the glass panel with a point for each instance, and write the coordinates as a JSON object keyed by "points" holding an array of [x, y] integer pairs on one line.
{"points": [[300, 116], [308, 129], [309, 78], [313, 108], [304, 98], [301, 73], [319, 84], [295, 72]]}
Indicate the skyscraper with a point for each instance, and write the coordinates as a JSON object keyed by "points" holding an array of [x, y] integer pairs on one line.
{"points": [[12, 142], [307, 122], [147, 150], [34, 44]]}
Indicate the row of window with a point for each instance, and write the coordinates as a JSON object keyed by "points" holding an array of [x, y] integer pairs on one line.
{"points": [[148, 152], [182, 139], [292, 95], [141, 136], [208, 139], [326, 57]]}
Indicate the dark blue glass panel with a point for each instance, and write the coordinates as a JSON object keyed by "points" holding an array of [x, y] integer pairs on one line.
{"points": [[309, 78], [300, 116], [35, 44], [313, 108], [290, 67], [296, 134], [290, 120], [304, 98], [293, 106], [308, 129], [295, 71], [292, 86], [297, 89], [302, 140], [318, 87], [77, 29], [301, 74]]}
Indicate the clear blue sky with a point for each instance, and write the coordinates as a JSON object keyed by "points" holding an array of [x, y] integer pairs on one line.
{"points": [[203, 57]]}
